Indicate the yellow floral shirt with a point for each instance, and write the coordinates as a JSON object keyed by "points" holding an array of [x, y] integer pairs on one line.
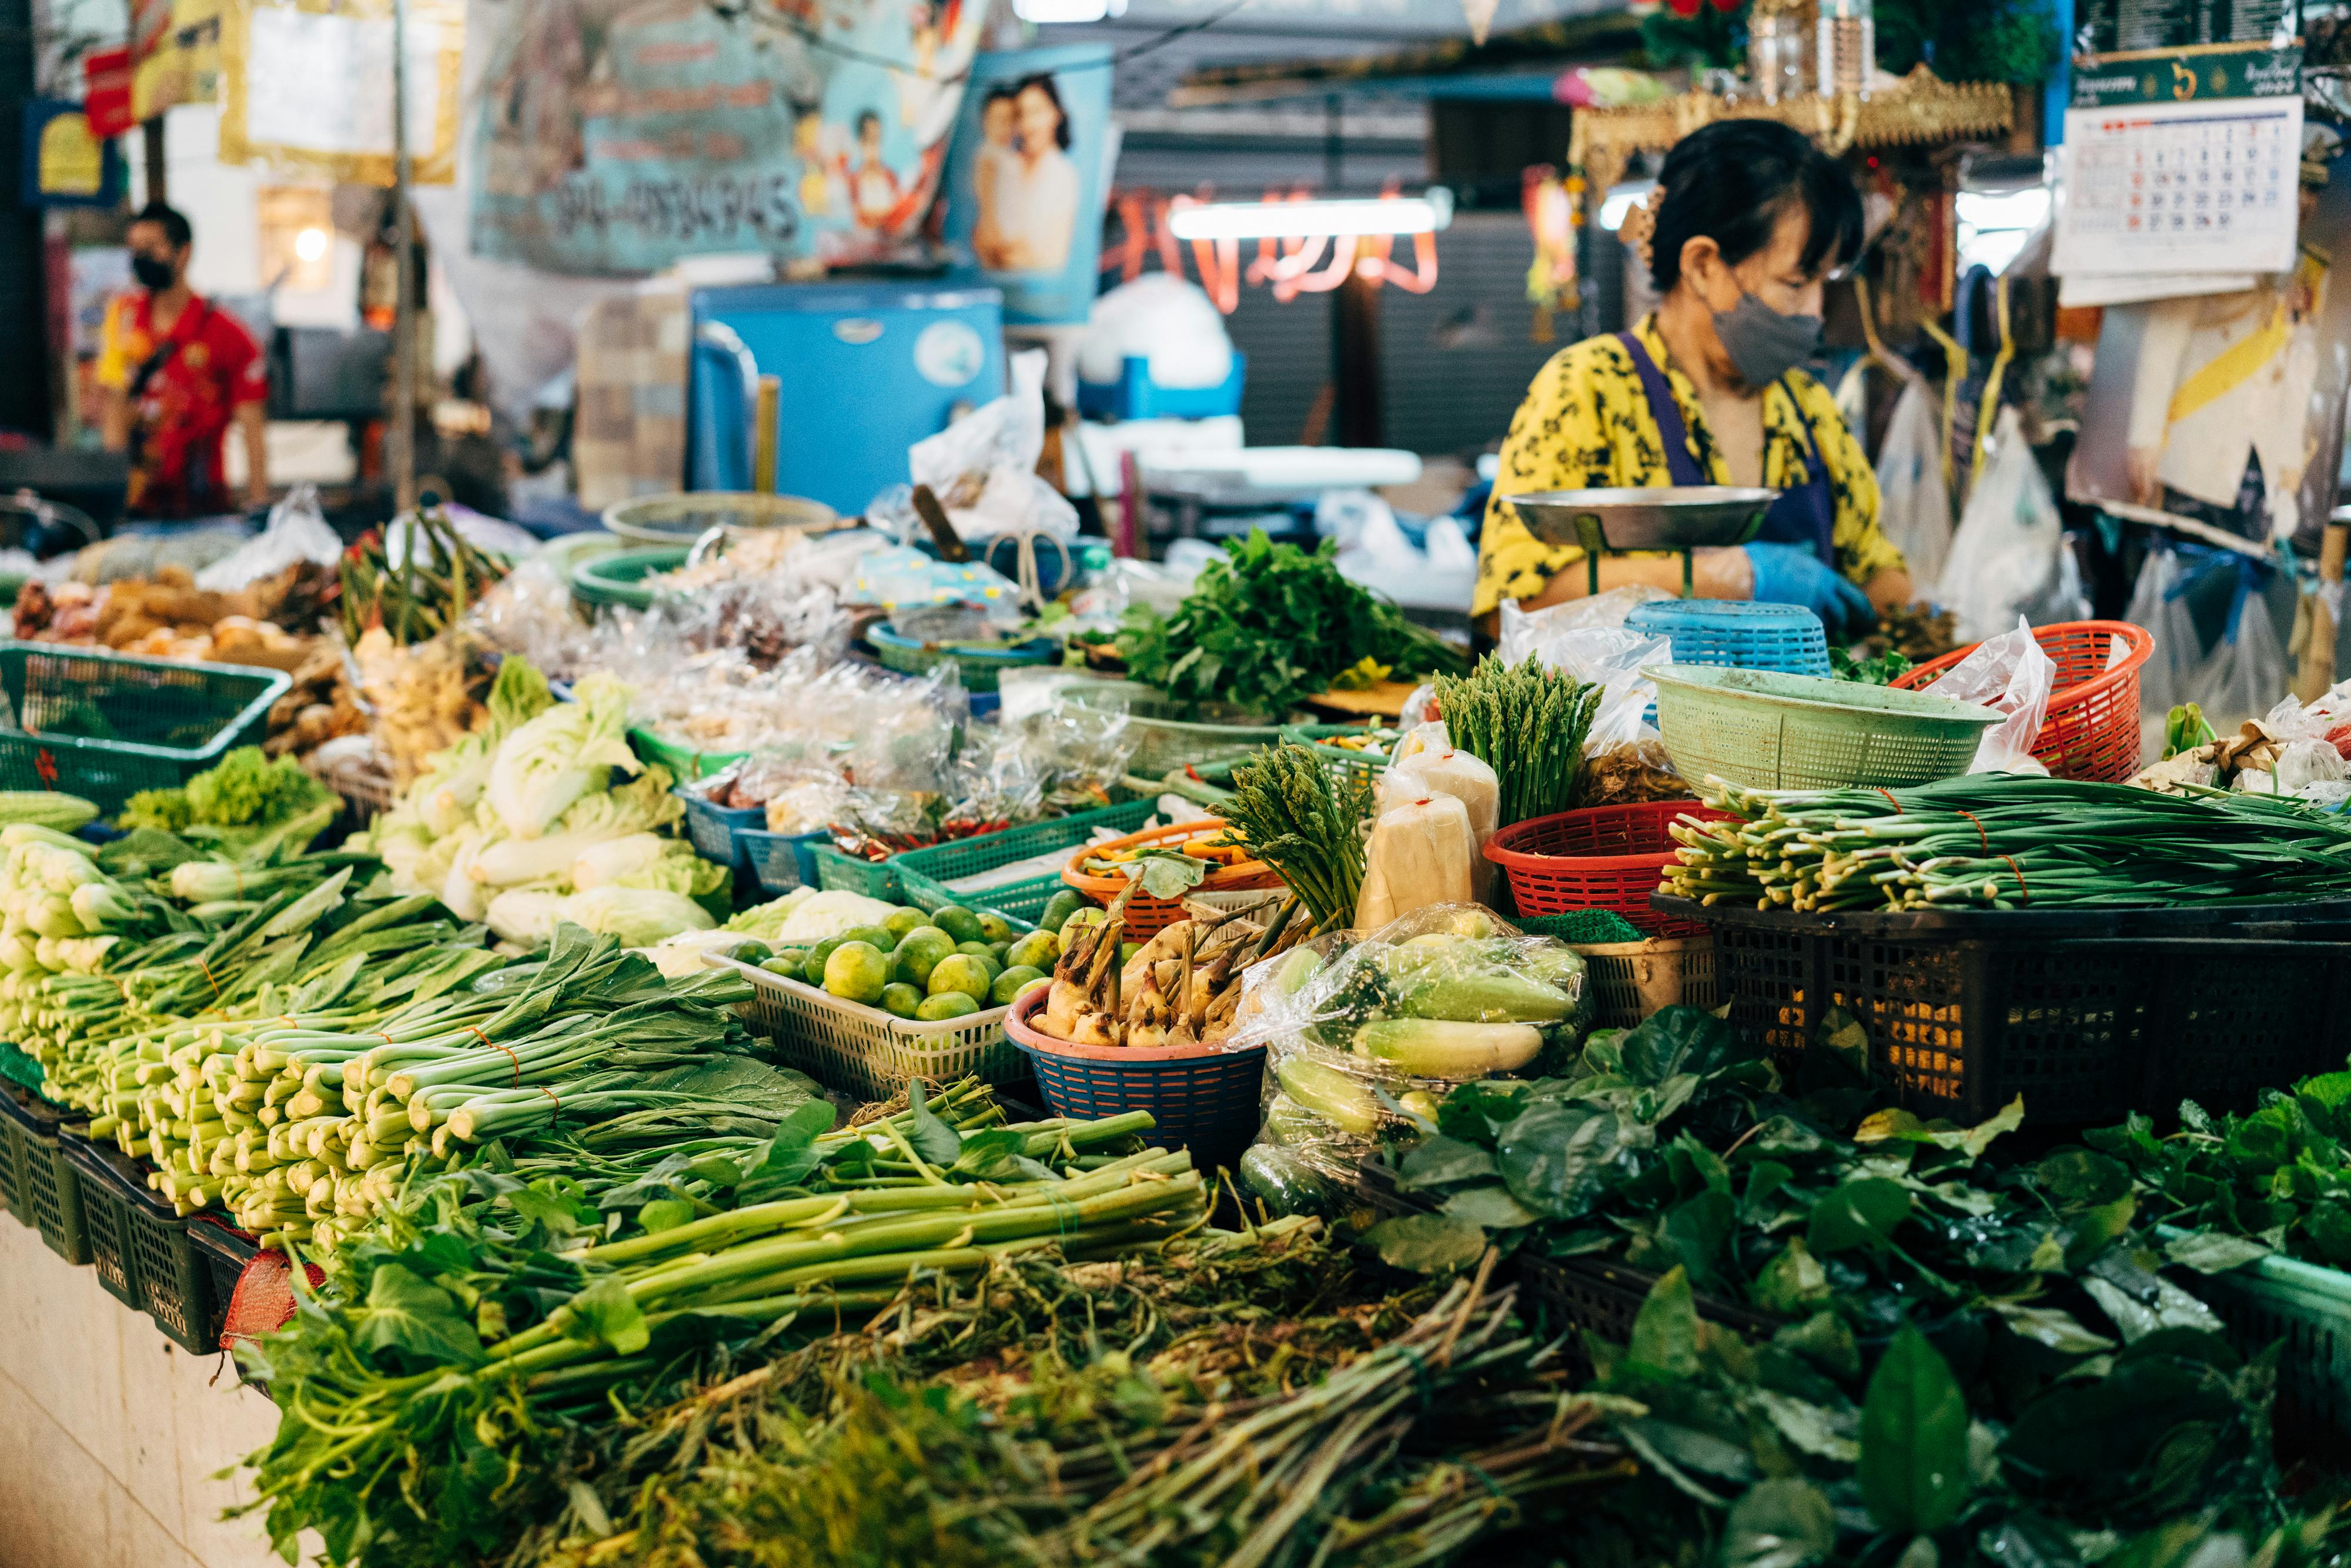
{"points": [[1586, 426]]}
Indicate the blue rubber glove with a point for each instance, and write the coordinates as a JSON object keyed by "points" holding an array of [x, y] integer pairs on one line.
{"points": [[1792, 574]]}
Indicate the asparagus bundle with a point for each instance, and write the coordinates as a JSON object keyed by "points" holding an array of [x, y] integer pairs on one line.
{"points": [[1527, 722], [1307, 824]]}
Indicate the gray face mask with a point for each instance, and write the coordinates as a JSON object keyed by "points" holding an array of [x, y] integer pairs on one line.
{"points": [[1763, 344]]}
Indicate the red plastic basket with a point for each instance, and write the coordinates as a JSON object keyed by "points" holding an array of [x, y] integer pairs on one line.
{"points": [[1599, 857], [2090, 730], [1200, 1099]]}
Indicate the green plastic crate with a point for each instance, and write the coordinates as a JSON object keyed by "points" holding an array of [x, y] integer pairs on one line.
{"points": [[924, 874], [45, 1183], [2307, 1306], [847, 873], [618, 579], [684, 763], [107, 726]]}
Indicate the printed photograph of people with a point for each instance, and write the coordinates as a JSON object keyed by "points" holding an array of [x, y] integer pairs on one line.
{"points": [[1026, 183]]}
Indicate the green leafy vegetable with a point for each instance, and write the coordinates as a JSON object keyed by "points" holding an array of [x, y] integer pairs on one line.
{"points": [[1268, 626]]}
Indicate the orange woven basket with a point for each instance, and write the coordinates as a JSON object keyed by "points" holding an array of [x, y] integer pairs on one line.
{"points": [[1146, 915], [2090, 730]]}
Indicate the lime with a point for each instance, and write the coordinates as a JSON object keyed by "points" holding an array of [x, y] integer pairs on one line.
{"points": [[984, 953], [1038, 950], [1064, 902], [994, 927], [856, 971], [1040, 983], [787, 963], [812, 969], [1079, 919], [962, 972], [919, 952], [1127, 950], [1010, 984], [898, 921], [752, 951], [958, 923], [876, 936], [999, 950], [901, 998], [945, 1005]]}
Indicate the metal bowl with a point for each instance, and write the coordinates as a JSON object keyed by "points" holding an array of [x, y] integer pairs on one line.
{"points": [[1662, 517]]}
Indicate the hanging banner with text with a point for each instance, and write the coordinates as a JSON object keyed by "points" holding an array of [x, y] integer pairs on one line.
{"points": [[617, 136]]}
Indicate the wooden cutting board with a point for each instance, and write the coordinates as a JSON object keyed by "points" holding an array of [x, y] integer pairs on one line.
{"points": [[1384, 700]]}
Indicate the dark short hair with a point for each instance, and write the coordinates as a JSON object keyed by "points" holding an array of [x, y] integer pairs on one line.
{"points": [[1003, 92], [866, 117], [171, 220], [1044, 84], [1732, 181]]}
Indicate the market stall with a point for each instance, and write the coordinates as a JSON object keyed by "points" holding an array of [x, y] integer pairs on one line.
{"points": [[723, 1029]]}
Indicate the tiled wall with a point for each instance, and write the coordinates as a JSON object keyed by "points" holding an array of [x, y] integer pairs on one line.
{"points": [[110, 1434]]}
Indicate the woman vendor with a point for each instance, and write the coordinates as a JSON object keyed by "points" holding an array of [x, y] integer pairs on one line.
{"points": [[1748, 219]]}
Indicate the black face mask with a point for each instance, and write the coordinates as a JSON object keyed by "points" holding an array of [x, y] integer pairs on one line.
{"points": [[153, 273]]}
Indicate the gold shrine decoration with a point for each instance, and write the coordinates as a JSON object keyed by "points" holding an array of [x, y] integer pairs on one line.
{"points": [[1924, 109]]}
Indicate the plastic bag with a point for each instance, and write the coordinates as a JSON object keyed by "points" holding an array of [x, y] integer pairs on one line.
{"points": [[1342, 1056], [1456, 774], [2005, 552], [983, 469], [2246, 668], [1612, 659], [2168, 677], [1915, 504], [2012, 673], [1420, 853], [1526, 631], [297, 533]]}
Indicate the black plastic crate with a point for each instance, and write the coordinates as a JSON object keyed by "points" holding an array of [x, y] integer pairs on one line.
{"points": [[174, 1282], [11, 1193], [46, 1187], [223, 1252], [103, 1177], [104, 1181], [1584, 1294], [2089, 1014]]}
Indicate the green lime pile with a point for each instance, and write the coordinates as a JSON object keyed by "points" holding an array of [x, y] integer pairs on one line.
{"points": [[946, 963]]}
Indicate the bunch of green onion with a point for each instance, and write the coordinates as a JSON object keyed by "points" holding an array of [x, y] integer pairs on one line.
{"points": [[2005, 841]]}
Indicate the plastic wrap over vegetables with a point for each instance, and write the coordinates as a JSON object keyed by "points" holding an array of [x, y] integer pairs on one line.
{"points": [[1363, 1039]]}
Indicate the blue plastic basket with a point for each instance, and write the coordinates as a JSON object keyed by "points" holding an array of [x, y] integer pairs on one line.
{"points": [[1738, 633], [714, 830], [779, 861]]}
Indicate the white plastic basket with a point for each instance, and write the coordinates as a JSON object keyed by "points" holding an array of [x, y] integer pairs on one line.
{"points": [[861, 1051], [1630, 980]]}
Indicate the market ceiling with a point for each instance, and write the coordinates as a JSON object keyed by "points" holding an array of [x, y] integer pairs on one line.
{"points": [[1522, 59], [1376, 19]]}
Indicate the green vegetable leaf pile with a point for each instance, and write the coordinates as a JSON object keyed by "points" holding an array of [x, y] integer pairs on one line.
{"points": [[233, 804], [2277, 1180], [1984, 1358], [1878, 670], [1271, 625]]}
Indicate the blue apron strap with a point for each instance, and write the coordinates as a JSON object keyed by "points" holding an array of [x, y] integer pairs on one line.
{"points": [[1807, 515], [1680, 466]]}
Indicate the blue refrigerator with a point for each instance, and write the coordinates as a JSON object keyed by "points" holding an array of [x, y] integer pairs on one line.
{"points": [[867, 369]]}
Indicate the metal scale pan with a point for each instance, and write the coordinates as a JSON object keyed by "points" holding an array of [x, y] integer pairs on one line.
{"points": [[1659, 517]]}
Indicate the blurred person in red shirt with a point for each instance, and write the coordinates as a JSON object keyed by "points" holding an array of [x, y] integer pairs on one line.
{"points": [[178, 371]]}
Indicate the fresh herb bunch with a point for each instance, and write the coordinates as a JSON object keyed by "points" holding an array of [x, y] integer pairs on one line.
{"points": [[1867, 669], [1987, 1357], [1527, 722], [1269, 626], [1306, 820], [1271, 1426], [2242, 1185]]}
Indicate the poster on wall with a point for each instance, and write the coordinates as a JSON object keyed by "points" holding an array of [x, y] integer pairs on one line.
{"points": [[2227, 409], [615, 136], [175, 47], [1028, 176], [306, 87], [66, 165]]}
